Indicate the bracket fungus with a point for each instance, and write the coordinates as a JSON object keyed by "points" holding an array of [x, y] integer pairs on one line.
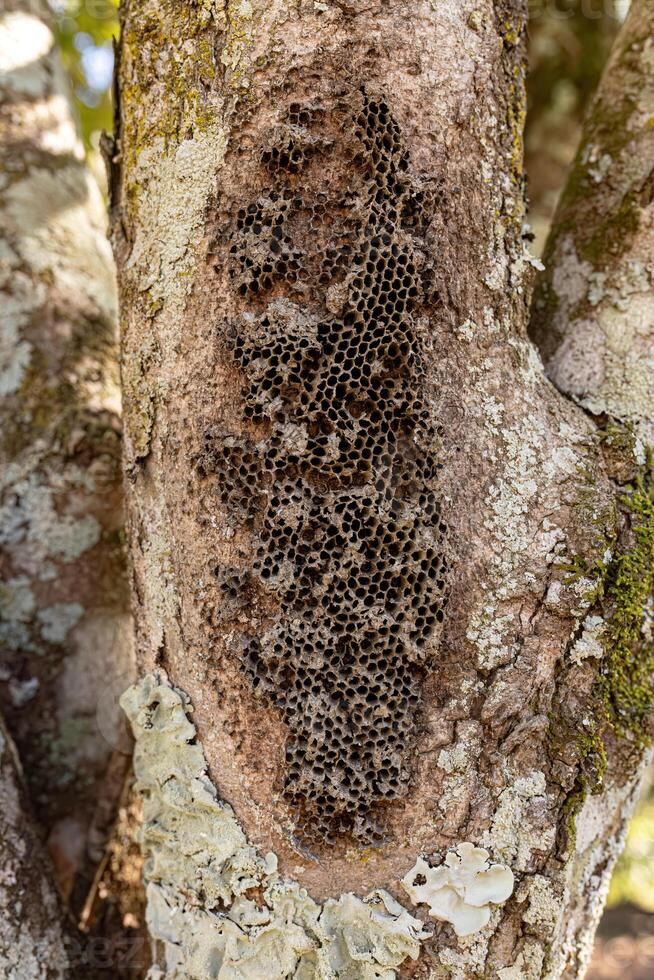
{"points": [[461, 890]]}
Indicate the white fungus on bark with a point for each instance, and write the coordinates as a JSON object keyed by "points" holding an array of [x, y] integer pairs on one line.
{"points": [[461, 890]]}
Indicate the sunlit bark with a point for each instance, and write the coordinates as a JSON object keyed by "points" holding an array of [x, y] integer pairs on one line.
{"points": [[331, 402]]}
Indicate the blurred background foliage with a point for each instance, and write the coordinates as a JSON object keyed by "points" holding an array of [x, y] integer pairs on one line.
{"points": [[569, 41], [633, 878], [85, 32]]}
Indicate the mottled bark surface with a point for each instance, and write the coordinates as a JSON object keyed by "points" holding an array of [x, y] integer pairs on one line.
{"points": [[373, 544], [32, 935], [64, 629], [594, 310]]}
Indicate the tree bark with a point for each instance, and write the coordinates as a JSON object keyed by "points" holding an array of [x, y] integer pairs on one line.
{"points": [[399, 576], [64, 624], [32, 936], [593, 310]]}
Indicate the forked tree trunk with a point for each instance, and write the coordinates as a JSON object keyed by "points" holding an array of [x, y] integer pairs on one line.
{"points": [[64, 626], [400, 577]]}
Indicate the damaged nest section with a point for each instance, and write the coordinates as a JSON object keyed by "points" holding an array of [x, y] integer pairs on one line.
{"points": [[332, 273]]}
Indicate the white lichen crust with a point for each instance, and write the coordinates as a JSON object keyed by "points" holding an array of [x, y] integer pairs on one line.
{"points": [[218, 907]]}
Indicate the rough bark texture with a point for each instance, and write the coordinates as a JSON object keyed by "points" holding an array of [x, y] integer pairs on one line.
{"points": [[381, 554], [32, 937], [64, 628], [593, 314]]}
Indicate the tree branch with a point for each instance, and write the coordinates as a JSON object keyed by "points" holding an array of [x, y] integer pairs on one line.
{"points": [[593, 314]]}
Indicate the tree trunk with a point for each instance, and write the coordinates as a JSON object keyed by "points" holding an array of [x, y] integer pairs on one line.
{"points": [[32, 937], [399, 576], [64, 626]]}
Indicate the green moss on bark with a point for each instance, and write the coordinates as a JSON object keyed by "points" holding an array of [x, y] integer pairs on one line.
{"points": [[621, 700], [626, 683]]}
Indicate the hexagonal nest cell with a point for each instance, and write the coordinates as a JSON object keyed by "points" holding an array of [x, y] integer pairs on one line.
{"points": [[331, 269]]}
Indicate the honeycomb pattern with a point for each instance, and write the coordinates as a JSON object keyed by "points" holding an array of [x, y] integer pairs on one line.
{"points": [[341, 492]]}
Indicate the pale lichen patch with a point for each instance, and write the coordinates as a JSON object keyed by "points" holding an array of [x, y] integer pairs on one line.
{"points": [[239, 38], [469, 957], [545, 902], [490, 632], [14, 357], [520, 826], [58, 619], [163, 256], [159, 582], [31, 525], [163, 250], [590, 643], [62, 233], [459, 763], [528, 964], [464, 752]]}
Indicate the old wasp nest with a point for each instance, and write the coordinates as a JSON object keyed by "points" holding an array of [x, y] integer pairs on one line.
{"points": [[330, 267]]}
